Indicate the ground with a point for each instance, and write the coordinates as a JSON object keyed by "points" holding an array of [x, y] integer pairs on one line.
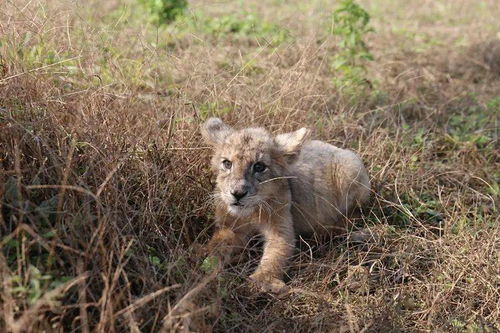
{"points": [[105, 185]]}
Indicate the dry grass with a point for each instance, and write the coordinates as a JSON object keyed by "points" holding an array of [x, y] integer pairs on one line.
{"points": [[104, 183]]}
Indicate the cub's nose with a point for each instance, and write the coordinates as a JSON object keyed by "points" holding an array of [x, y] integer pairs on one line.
{"points": [[239, 194]]}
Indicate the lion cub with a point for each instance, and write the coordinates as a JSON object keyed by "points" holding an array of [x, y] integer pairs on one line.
{"points": [[279, 186]]}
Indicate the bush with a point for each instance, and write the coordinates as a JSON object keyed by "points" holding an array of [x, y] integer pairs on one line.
{"points": [[165, 11], [350, 22]]}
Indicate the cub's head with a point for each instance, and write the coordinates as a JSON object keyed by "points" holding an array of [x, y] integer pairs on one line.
{"points": [[251, 164]]}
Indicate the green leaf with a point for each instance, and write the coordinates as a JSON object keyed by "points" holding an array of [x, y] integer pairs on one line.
{"points": [[155, 261], [209, 264], [339, 62]]}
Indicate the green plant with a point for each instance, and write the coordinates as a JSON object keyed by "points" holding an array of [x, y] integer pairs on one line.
{"points": [[35, 285], [247, 24], [165, 11], [209, 264], [494, 104], [350, 22], [244, 24], [212, 109], [472, 126]]}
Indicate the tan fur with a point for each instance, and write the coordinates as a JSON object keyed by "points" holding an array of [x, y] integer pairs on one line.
{"points": [[306, 187]]}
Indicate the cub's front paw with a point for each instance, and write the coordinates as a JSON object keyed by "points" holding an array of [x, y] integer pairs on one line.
{"points": [[265, 282]]}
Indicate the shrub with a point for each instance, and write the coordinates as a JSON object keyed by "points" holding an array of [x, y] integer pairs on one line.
{"points": [[350, 22], [165, 11]]}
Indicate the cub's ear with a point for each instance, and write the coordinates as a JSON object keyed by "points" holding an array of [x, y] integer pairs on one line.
{"points": [[214, 131], [290, 144]]}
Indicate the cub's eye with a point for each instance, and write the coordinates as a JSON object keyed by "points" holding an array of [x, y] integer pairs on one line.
{"points": [[259, 167], [227, 164]]}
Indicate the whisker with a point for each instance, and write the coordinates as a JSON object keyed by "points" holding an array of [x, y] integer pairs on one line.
{"points": [[265, 205], [277, 178]]}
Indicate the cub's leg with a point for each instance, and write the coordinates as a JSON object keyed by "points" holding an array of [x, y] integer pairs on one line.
{"points": [[279, 242], [226, 242]]}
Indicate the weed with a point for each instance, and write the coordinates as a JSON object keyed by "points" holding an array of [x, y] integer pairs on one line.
{"points": [[351, 23], [244, 24], [165, 11], [36, 284], [493, 104], [208, 264], [472, 126], [212, 109]]}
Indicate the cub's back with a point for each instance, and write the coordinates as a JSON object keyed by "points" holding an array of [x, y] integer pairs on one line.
{"points": [[327, 183]]}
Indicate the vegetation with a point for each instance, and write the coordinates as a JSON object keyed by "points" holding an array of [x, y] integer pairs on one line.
{"points": [[165, 11], [350, 22], [105, 186], [245, 24]]}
